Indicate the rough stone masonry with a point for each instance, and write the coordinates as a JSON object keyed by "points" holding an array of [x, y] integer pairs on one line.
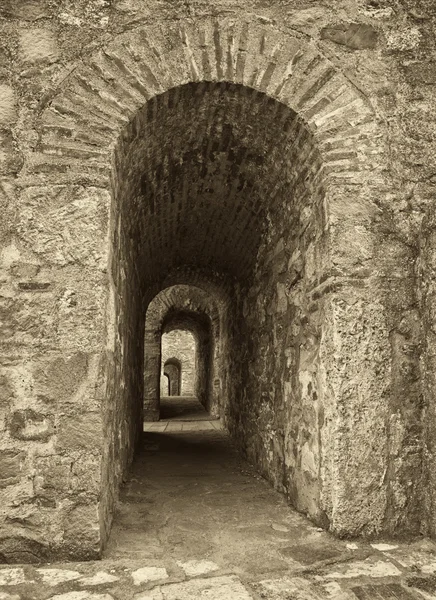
{"points": [[277, 158]]}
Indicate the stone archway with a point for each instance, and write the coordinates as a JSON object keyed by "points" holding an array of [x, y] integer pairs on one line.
{"points": [[172, 368], [188, 308], [316, 298]]}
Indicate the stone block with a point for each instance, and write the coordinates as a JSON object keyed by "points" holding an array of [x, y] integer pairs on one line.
{"points": [[38, 45], [11, 465], [66, 224], [356, 36], [11, 161], [60, 377], [215, 588], [16, 548], [5, 391], [419, 73], [5, 62], [28, 10], [30, 425], [28, 319], [8, 108], [82, 531], [53, 577], [52, 479], [24, 270], [147, 574], [80, 432]]}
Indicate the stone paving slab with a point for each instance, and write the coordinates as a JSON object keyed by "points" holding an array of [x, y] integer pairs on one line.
{"points": [[375, 577], [178, 426], [217, 588], [388, 591]]}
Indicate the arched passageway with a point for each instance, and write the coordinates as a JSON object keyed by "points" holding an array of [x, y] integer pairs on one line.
{"points": [[231, 188], [179, 348], [239, 161], [172, 368], [194, 313]]}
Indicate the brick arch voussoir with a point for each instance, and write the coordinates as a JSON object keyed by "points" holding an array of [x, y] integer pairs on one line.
{"points": [[87, 117], [178, 299]]}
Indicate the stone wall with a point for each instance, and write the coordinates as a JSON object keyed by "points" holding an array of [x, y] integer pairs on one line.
{"points": [[284, 150]]}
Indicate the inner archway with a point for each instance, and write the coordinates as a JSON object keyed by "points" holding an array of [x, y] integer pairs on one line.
{"points": [[178, 358], [172, 369]]}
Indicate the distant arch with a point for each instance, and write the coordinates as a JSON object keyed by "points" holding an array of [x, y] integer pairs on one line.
{"points": [[173, 370]]}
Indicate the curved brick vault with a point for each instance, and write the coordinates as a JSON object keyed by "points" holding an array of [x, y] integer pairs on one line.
{"points": [[236, 157]]}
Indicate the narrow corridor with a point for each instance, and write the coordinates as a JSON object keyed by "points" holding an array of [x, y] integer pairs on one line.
{"points": [[190, 496]]}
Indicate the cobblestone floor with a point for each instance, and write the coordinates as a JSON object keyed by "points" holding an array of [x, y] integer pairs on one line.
{"points": [[196, 523]]}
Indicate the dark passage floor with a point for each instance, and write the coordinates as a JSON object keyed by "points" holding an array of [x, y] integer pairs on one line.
{"points": [[182, 408], [191, 496]]}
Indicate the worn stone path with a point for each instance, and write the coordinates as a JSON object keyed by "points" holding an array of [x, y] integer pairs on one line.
{"points": [[180, 408], [196, 523]]}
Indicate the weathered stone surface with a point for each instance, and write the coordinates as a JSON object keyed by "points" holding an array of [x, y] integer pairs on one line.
{"points": [[6, 391], [101, 577], [60, 376], [6, 596], [369, 567], [18, 549], [29, 10], [52, 478], [81, 596], [82, 532], [357, 36], [28, 424], [65, 225], [12, 576], [281, 589], [79, 432], [421, 561], [11, 466], [8, 110], [11, 160], [146, 574], [214, 588], [421, 73], [383, 591], [38, 44], [193, 568], [54, 577]]}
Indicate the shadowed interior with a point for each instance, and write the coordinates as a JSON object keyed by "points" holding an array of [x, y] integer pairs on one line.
{"points": [[220, 186]]}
